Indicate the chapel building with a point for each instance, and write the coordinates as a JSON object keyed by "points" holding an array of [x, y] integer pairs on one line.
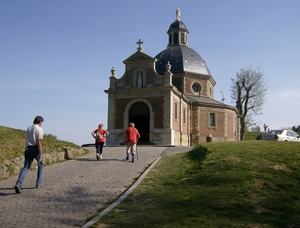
{"points": [[169, 98]]}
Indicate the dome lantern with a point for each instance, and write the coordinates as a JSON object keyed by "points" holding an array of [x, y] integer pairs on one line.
{"points": [[182, 57], [177, 31]]}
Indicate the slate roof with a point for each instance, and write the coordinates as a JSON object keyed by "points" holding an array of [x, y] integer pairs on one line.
{"points": [[209, 102], [177, 25], [182, 59], [204, 100]]}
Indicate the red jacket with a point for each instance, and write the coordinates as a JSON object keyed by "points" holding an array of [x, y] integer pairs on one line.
{"points": [[132, 135]]}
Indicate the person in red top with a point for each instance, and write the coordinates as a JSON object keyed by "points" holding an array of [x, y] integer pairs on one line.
{"points": [[99, 135], [132, 136]]}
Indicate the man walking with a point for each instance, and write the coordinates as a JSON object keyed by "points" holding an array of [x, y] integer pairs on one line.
{"points": [[132, 135], [34, 150]]}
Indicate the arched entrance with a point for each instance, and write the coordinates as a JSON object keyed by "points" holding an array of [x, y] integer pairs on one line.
{"points": [[139, 114]]}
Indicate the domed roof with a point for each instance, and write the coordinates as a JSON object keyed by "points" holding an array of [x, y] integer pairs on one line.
{"points": [[182, 59], [177, 25]]}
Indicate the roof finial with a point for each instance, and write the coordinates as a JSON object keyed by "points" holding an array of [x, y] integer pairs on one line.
{"points": [[177, 14], [113, 71], [168, 66], [140, 42]]}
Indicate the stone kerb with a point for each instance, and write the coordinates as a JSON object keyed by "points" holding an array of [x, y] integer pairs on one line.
{"points": [[12, 167]]}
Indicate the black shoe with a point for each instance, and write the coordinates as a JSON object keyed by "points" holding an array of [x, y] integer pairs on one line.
{"points": [[127, 158], [97, 156], [17, 189]]}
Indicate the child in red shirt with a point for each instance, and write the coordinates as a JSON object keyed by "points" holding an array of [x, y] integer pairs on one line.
{"points": [[99, 135]]}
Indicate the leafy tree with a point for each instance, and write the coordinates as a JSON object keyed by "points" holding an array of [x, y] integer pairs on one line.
{"points": [[248, 91], [254, 128], [294, 128]]}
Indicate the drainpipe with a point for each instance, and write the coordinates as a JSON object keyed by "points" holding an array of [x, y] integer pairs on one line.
{"points": [[189, 124], [180, 117]]}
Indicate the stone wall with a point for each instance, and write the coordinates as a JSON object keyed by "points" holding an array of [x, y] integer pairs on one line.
{"points": [[13, 167]]}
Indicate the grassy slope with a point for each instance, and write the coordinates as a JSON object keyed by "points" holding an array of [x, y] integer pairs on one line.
{"points": [[226, 184], [229, 184], [12, 143]]}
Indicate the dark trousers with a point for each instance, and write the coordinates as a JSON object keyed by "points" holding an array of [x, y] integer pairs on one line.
{"points": [[31, 153], [99, 147]]}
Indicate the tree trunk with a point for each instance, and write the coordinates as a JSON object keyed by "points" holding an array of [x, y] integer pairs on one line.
{"points": [[243, 129]]}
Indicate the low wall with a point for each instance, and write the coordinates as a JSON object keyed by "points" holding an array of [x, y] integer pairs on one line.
{"points": [[13, 167]]}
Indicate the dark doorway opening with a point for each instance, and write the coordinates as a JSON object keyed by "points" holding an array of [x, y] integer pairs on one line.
{"points": [[139, 114]]}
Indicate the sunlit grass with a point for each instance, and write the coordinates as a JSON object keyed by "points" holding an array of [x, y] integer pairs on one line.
{"points": [[12, 143], [226, 184]]}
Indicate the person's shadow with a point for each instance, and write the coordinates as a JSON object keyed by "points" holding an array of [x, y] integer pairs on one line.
{"points": [[12, 191], [101, 160]]}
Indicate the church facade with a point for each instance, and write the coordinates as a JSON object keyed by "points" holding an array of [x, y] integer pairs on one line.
{"points": [[169, 97]]}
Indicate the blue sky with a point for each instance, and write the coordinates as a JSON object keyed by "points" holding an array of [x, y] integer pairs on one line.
{"points": [[56, 56]]}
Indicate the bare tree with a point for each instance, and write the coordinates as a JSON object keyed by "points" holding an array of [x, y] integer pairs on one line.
{"points": [[248, 91]]}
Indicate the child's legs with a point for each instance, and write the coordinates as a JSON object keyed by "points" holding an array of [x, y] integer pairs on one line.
{"points": [[98, 148], [101, 147]]}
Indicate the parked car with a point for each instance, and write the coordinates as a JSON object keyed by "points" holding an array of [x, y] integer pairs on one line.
{"points": [[281, 135]]}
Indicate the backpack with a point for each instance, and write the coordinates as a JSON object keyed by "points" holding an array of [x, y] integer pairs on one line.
{"points": [[98, 135]]}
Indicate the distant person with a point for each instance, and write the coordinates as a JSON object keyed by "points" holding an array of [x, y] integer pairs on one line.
{"points": [[99, 135], [260, 136], [132, 136], [34, 150], [265, 127]]}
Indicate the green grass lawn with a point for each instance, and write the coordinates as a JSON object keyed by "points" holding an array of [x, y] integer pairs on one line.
{"points": [[227, 184]]}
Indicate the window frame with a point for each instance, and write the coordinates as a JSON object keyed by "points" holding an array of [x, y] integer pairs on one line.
{"points": [[212, 120], [199, 88], [176, 111]]}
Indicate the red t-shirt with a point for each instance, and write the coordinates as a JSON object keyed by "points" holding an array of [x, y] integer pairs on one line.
{"points": [[102, 132], [132, 135]]}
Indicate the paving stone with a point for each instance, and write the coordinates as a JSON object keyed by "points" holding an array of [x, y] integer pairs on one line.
{"points": [[74, 190]]}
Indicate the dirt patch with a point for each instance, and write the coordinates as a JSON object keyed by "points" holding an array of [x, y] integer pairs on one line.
{"points": [[280, 167], [233, 158], [102, 225]]}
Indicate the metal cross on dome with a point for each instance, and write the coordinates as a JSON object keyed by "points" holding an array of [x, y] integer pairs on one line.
{"points": [[140, 42]]}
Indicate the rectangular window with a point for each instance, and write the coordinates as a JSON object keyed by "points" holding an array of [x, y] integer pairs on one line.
{"points": [[176, 38], [184, 110], [175, 111], [212, 120], [182, 38]]}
